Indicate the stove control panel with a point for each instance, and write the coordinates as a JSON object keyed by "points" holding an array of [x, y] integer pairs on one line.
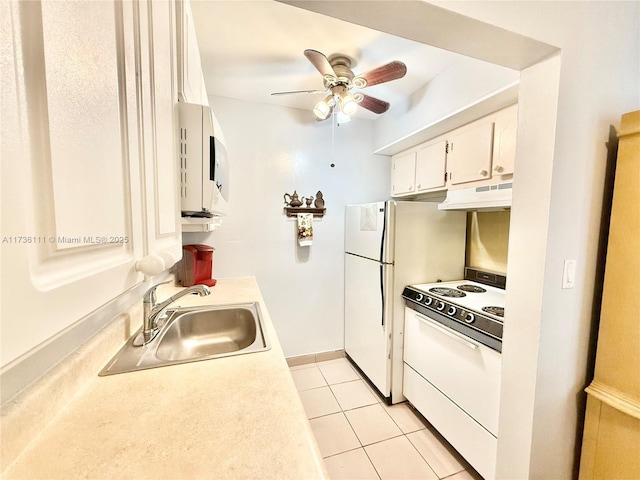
{"points": [[442, 309]]}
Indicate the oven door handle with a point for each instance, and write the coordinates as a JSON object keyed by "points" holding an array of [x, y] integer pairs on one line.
{"points": [[446, 331]]}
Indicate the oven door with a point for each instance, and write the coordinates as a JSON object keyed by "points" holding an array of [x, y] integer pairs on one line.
{"points": [[464, 370]]}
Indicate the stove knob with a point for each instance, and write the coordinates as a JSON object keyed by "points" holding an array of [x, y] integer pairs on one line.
{"points": [[419, 297], [428, 301], [441, 306], [469, 317], [451, 311]]}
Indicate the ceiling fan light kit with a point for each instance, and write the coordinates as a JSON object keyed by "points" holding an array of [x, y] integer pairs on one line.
{"points": [[339, 81], [323, 108]]}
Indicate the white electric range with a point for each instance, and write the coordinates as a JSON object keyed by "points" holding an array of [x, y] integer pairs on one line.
{"points": [[453, 362]]}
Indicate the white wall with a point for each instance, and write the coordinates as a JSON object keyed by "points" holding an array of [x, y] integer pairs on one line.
{"points": [[273, 150], [445, 94]]}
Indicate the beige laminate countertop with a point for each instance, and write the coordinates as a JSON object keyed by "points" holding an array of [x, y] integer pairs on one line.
{"points": [[227, 418]]}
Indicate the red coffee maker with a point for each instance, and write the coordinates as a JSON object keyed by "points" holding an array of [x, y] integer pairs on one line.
{"points": [[196, 266]]}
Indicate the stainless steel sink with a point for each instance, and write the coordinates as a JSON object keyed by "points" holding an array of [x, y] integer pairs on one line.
{"points": [[195, 333]]}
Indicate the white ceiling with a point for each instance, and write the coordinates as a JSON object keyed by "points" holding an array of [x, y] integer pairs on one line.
{"points": [[250, 49]]}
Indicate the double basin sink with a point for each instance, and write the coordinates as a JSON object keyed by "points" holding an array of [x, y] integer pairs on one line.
{"points": [[193, 334]]}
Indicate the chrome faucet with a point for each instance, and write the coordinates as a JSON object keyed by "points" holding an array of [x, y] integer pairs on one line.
{"points": [[152, 310]]}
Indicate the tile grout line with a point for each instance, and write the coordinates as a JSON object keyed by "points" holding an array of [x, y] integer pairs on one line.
{"points": [[379, 401]]}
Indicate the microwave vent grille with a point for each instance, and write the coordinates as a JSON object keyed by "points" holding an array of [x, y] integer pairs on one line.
{"points": [[183, 162]]}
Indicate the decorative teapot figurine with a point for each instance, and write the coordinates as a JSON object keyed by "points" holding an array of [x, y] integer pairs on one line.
{"points": [[294, 201]]}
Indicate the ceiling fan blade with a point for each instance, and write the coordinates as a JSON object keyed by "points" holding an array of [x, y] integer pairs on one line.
{"points": [[385, 73], [373, 104], [299, 91], [320, 62]]}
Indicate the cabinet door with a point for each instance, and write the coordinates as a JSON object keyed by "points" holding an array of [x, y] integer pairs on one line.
{"points": [[469, 157], [403, 173], [504, 141], [71, 191], [430, 166], [159, 104], [191, 86]]}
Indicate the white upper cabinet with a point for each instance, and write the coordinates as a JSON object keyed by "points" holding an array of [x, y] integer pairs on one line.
{"points": [[504, 141], [88, 110], [159, 91], [431, 164], [479, 153], [191, 86], [403, 173], [470, 149]]}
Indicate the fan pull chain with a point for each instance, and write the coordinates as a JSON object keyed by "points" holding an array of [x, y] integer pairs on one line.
{"points": [[333, 136]]}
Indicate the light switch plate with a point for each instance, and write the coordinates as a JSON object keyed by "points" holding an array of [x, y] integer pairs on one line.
{"points": [[569, 274]]}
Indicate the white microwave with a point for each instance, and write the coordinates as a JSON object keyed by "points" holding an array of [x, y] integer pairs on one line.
{"points": [[204, 169]]}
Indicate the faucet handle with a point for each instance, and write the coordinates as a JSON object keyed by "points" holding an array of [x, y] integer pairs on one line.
{"points": [[150, 296]]}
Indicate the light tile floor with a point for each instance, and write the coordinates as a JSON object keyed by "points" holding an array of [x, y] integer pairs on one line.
{"points": [[361, 437]]}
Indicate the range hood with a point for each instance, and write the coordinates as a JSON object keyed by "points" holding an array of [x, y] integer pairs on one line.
{"points": [[485, 198]]}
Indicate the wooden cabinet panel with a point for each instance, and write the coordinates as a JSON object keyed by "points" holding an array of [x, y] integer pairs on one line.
{"points": [[612, 425]]}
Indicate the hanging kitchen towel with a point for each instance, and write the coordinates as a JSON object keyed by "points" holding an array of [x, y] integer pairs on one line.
{"points": [[305, 229]]}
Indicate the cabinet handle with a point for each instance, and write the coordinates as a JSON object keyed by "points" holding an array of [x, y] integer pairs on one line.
{"points": [[418, 185], [446, 331], [498, 168], [409, 187], [483, 173]]}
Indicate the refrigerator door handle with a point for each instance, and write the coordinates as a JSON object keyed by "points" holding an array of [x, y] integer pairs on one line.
{"points": [[382, 291], [384, 233]]}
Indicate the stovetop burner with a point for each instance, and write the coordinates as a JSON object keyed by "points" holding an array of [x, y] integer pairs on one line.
{"points": [[447, 292], [497, 311], [471, 288]]}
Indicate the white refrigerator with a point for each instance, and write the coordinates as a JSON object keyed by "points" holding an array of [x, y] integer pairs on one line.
{"points": [[389, 245]]}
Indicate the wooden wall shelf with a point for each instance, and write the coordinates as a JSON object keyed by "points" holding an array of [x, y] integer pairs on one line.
{"points": [[293, 211]]}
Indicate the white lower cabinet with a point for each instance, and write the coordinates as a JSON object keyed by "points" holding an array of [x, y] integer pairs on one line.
{"points": [[455, 383]]}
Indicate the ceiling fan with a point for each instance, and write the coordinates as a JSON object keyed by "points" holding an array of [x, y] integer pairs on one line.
{"points": [[340, 84]]}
